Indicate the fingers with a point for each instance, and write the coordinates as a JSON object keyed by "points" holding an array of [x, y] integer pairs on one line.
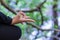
{"points": [[21, 16], [29, 20], [21, 13], [26, 20]]}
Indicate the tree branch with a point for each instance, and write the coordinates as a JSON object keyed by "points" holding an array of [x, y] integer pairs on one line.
{"points": [[33, 25], [30, 10], [37, 27], [6, 6], [36, 9], [40, 5]]}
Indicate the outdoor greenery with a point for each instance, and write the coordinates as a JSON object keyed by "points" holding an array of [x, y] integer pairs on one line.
{"points": [[46, 16]]}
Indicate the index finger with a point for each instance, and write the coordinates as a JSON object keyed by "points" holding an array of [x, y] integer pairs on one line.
{"points": [[22, 13]]}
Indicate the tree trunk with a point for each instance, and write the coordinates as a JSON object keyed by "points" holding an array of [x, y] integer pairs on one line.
{"points": [[55, 17]]}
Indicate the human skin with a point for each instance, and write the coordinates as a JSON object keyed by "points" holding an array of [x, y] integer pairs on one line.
{"points": [[20, 17]]}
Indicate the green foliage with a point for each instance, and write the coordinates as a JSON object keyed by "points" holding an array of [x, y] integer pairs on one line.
{"points": [[25, 4], [55, 26], [33, 15]]}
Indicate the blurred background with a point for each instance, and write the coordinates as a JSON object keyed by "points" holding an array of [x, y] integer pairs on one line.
{"points": [[46, 14]]}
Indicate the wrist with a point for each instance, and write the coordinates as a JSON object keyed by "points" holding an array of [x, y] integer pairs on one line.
{"points": [[14, 21]]}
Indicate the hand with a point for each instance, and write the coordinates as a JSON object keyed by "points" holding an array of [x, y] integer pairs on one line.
{"points": [[24, 18], [22, 15], [20, 18]]}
